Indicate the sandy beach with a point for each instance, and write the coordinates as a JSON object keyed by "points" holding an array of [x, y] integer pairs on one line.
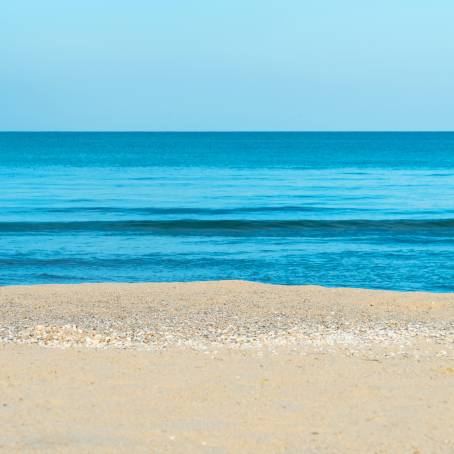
{"points": [[225, 367]]}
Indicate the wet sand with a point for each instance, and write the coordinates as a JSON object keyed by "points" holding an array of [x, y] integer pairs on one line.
{"points": [[225, 367]]}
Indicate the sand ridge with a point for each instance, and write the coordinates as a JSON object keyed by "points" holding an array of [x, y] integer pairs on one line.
{"points": [[226, 314]]}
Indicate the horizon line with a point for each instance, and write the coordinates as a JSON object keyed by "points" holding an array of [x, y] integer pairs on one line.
{"points": [[221, 131]]}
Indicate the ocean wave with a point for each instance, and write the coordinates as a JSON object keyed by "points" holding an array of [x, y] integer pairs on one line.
{"points": [[188, 210], [235, 226]]}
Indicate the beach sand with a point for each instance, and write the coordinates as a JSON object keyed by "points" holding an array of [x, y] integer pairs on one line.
{"points": [[225, 367]]}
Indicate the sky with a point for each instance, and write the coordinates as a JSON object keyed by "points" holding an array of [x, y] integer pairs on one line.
{"points": [[202, 65]]}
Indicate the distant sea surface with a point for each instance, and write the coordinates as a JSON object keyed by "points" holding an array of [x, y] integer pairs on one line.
{"points": [[373, 210]]}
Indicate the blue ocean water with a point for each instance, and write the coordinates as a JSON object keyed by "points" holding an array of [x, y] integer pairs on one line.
{"points": [[372, 210]]}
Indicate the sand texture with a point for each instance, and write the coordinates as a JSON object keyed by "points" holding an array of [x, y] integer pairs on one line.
{"points": [[225, 367]]}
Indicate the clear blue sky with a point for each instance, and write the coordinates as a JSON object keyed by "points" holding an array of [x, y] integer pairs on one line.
{"points": [[227, 65]]}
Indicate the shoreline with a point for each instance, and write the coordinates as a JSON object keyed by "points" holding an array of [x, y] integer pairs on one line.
{"points": [[223, 281]]}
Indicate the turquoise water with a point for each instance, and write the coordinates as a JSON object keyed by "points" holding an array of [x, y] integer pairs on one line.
{"points": [[372, 210]]}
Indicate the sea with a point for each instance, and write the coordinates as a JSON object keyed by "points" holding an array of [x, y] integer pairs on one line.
{"points": [[371, 210]]}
